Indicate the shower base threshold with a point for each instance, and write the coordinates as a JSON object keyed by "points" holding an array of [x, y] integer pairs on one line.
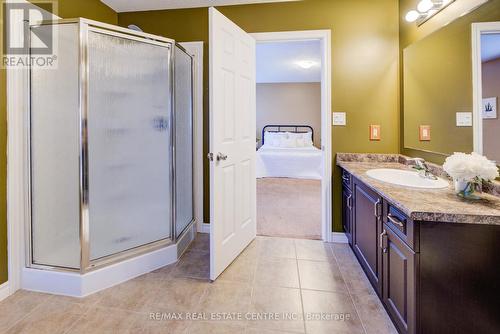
{"points": [[82, 285]]}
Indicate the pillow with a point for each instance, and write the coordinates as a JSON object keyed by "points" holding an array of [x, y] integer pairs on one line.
{"points": [[303, 139], [288, 142], [295, 135], [308, 139], [301, 142], [268, 137], [273, 139]]}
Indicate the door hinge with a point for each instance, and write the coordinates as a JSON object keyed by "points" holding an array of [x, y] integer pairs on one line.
{"points": [[210, 156]]}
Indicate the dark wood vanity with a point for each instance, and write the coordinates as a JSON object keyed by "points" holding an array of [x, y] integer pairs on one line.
{"points": [[432, 277]]}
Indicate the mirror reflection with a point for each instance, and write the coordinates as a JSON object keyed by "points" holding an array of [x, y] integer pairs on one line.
{"points": [[441, 112], [490, 71]]}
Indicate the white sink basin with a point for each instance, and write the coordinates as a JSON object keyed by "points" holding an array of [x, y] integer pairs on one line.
{"points": [[406, 178]]}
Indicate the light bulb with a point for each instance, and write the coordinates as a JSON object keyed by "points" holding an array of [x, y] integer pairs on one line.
{"points": [[425, 5], [306, 64], [412, 16]]}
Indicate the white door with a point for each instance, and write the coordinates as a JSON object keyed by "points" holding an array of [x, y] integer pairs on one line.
{"points": [[232, 141]]}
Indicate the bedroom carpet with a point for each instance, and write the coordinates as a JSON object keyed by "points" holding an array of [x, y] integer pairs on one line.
{"points": [[289, 208]]}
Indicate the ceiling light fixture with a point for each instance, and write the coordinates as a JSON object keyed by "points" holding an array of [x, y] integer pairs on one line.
{"points": [[306, 64], [426, 9]]}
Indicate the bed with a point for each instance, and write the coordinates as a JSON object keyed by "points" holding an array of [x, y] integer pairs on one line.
{"points": [[288, 151]]}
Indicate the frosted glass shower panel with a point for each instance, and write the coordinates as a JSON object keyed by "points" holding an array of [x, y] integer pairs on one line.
{"points": [[54, 138], [183, 97], [129, 143]]}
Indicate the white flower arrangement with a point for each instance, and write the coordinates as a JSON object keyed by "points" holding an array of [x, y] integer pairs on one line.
{"points": [[469, 171], [467, 167]]}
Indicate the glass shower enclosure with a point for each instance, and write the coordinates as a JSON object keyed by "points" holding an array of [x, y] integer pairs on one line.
{"points": [[104, 127], [183, 118]]}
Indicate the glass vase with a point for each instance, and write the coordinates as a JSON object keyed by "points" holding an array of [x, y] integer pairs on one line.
{"points": [[466, 189]]}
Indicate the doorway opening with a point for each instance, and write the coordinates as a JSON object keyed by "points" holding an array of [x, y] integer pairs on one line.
{"points": [[293, 167], [232, 156], [289, 155]]}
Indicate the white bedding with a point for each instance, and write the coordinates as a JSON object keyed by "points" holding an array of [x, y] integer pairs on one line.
{"points": [[299, 162]]}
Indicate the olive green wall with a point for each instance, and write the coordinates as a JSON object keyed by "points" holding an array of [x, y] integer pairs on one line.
{"points": [[447, 56], [91, 9], [364, 61]]}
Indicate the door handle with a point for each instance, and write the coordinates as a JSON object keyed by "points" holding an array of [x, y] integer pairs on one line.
{"points": [[349, 201], [383, 241], [221, 156]]}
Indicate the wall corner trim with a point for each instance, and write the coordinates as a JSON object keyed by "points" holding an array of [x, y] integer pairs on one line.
{"points": [[339, 237], [204, 228], [4, 290]]}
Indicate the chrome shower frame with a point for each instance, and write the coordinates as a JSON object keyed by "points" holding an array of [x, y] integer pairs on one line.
{"points": [[86, 264], [174, 209]]}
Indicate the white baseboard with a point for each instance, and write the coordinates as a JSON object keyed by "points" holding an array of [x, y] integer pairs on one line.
{"points": [[203, 228], [339, 237], [4, 291], [77, 285]]}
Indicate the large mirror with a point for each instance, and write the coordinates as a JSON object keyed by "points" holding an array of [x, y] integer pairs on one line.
{"points": [[450, 103]]}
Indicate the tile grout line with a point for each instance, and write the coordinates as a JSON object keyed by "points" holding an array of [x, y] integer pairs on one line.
{"points": [[252, 284], [200, 301], [349, 291], [300, 288], [204, 294], [79, 318], [254, 279], [49, 297]]}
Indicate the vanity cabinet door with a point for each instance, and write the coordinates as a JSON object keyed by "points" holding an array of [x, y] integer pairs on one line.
{"points": [[347, 201], [367, 212], [399, 294]]}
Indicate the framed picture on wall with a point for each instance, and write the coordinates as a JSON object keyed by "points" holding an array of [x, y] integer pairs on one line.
{"points": [[490, 108]]}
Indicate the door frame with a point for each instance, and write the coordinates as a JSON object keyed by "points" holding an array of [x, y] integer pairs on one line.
{"points": [[477, 105], [324, 36]]}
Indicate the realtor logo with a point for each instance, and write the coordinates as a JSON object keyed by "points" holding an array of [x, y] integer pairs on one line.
{"points": [[22, 45]]}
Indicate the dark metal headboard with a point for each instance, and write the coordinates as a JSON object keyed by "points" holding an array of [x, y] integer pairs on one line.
{"points": [[283, 128]]}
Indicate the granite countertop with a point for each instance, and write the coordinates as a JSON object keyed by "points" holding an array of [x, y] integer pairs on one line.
{"points": [[436, 205]]}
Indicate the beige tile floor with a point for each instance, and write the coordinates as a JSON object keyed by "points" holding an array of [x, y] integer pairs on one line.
{"points": [[300, 279]]}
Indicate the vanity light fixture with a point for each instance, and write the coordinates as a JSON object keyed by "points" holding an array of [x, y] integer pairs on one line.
{"points": [[412, 16], [425, 5], [306, 64], [426, 9]]}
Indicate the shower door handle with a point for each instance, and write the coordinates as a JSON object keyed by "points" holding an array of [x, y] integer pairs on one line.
{"points": [[221, 156]]}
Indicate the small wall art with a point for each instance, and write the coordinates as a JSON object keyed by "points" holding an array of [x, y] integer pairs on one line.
{"points": [[490, 108]]}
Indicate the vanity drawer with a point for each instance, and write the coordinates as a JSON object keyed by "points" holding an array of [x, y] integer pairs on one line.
{"points": [[401, 225], [346, 179]]}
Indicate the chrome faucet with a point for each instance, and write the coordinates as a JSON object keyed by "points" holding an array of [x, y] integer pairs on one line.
{"points": [[423, 169]]}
